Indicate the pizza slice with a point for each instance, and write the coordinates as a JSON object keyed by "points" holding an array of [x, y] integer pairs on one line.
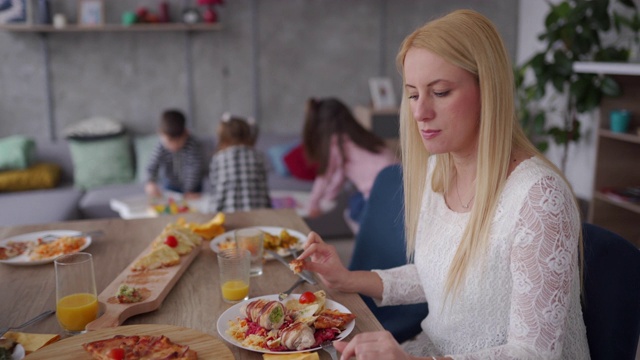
{"points": [[110, 349], [138, 347]]}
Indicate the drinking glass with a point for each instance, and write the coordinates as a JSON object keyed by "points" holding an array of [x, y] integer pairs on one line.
{"points": [[76, 299], [234, 267], [252, 239]]}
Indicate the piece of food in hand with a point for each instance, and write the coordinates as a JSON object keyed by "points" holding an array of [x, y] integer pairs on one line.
{"points": [[321, 298], [329, 319], [138, 347], [297, 336], [266, 313], [128, 294], [161, 256], [296, 266]]}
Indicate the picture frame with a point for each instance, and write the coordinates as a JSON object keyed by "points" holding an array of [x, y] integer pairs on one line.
{"points": [[14, 11], [90, 12], [382, 94]]}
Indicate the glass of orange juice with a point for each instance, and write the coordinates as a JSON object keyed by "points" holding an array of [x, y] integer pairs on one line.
{"points": [[76, 300], [234, 267]]}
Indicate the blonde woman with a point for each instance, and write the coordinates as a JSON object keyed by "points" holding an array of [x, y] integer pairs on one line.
{"points": [[492, 226]]}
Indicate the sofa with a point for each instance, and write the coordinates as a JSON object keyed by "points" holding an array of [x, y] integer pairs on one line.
{"points": [[67, 201]]}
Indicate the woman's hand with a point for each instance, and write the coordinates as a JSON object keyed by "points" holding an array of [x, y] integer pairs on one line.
{"points": [[192, 196], [379, 345], [325, 262], [314, 213]]}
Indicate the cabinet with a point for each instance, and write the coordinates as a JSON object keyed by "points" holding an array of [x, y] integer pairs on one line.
{"points": [[617, 154]]}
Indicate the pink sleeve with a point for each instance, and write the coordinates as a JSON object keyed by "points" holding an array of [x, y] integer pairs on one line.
{"points": [[328, 185]]}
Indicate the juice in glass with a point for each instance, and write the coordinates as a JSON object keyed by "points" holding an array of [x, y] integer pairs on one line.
{"points": [[75, 311], [234, 266], [235, 290]]}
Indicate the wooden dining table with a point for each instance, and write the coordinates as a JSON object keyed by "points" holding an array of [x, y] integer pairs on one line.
{"points": [[194, 302]]}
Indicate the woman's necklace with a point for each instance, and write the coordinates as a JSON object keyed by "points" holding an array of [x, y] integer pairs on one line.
{"points": [[460, 199]]}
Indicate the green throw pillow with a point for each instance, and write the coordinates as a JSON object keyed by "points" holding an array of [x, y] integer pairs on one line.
{"points": [[144, 146], [16, 152], [101, 162]]}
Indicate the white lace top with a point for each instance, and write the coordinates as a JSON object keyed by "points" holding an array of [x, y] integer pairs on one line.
{"points": [[523, 302]]}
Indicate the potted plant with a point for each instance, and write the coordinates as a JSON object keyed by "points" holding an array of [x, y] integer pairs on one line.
{"points": [[575, 30]]}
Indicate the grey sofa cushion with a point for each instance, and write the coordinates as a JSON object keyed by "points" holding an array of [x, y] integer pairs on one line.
{"points": [[40, 206], [95, 202]]}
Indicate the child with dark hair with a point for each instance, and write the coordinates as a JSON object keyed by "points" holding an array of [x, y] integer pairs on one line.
{"points": [[177, 162], [344, 151], [237, 172]]}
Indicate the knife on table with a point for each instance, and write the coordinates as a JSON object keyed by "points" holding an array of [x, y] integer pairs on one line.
{"points": [[305, 274]]}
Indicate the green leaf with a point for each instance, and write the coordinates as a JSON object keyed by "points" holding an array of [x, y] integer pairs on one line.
{"points": [[610, 87], [542, 146], [539, 122], [563, 65]]}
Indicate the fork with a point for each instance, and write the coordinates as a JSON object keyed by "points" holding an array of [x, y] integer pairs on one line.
{"points": [[328, 347], [27, 323], [94, 233], [285, 294]]}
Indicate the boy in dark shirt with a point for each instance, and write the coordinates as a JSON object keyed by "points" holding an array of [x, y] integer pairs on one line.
{"points": [[176, 163]]}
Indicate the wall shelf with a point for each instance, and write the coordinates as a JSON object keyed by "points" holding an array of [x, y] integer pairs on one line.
{"points": [[112, 27], [617, 162], [609, 68]]}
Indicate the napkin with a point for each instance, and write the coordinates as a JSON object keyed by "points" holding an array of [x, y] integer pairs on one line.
{"points": [[296, 356], [31, 342]]}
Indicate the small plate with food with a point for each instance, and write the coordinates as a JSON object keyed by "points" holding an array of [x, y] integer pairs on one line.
{"points": [[300, 323], [41, 247], [276, 238]]}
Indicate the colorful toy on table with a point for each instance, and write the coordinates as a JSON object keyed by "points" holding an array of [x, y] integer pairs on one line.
{"points": [[172, 207]]}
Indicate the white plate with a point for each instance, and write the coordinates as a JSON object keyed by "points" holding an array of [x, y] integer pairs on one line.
{"points": [[24, 259], [273, 230], [233, 313]]}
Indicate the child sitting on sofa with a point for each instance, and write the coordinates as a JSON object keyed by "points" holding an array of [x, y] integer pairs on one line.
{"points": [[237, 172], [177, 162]]}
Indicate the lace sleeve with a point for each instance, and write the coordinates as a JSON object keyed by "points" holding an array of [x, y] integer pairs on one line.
{"points": [[544, 262], [400, 286]]}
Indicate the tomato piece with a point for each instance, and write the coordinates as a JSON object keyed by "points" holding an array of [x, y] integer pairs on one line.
{"points": [[171, 241], [307, 297], [116, 354]]}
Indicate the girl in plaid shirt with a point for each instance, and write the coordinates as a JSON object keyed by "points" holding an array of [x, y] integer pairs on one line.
{"points": [[238, 173]]}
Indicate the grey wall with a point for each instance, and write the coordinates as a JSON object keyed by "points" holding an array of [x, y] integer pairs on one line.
{"points": [[269, 57]]}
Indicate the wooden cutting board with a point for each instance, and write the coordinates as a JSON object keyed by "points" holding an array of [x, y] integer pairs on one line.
{"points": [[207, 346], [153, 284]]}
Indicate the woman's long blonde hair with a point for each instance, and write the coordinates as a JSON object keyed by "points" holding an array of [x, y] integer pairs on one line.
{"points": [[470, 41]]}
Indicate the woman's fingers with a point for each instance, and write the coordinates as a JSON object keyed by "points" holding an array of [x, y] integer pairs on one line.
{"points": [[371, 345]]}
